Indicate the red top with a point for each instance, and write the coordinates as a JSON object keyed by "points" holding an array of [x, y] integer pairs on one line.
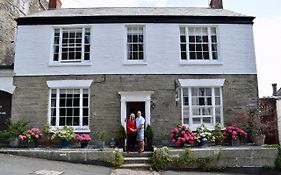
{"points": [[131, 126]]}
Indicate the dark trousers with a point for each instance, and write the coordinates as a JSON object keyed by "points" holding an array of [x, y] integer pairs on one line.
{"points": [[131, 142]]}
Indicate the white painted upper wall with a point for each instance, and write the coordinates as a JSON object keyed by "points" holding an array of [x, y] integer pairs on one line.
{"points": [[108, 51]]}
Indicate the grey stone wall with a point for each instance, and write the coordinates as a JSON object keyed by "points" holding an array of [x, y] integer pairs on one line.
{"points": [[30, 99], [9, 10]]}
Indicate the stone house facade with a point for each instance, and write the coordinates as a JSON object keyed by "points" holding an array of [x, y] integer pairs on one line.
{"points": [[90, 68], [9, 10]]}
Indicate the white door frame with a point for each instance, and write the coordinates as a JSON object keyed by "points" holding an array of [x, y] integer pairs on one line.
{"points": [[135, 96]]}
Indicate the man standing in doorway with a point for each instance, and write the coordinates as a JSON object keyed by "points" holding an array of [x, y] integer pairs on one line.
{"points": [[140, 131]]}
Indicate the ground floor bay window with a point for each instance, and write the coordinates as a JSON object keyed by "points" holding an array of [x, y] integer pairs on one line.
{"points": [[201, 102], [69, 104]]}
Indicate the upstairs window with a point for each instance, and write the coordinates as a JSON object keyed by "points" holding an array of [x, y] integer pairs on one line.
{"points": [[135, 43], [198, 43], [71, 45]]}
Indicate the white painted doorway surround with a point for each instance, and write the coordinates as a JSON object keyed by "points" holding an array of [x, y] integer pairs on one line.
{"points": [[135, 96]]}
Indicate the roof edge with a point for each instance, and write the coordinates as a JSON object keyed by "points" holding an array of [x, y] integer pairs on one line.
{"points": [[134, 19]]}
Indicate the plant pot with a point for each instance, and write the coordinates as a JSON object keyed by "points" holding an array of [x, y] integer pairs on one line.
{"points": [[32, 144], [64, 144], [202, 143], [84, 144], [148, 145], [14, 142], [121, 144], [100, 144], [259, 139], [165, 142], [235, 142]]}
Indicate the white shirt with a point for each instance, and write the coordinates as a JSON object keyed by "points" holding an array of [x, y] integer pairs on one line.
{"points": [[140, 121]]}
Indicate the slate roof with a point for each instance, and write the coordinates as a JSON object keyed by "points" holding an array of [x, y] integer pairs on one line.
{"points": [[137, 11]]}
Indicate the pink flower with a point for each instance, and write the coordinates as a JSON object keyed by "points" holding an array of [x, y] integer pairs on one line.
{"points": [[183, 127], [20, 137], [173, 140]]}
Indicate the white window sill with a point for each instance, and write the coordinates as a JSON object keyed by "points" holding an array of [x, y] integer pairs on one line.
{"points": [[188, 62], [133, 62], [77, 129], [70, 64]]}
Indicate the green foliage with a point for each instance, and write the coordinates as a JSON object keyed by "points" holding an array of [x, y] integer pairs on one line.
{"points": [[15, 128], [217, 133], [161, 158], [121, 135], [46, 129], [118, 160], [149, 132], [101, 135], [164, 136], [65, 133], [278, 159]]}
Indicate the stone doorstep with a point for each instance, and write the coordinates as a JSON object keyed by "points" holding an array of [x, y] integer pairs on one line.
{"points": [[132, 160], [136, 166]]}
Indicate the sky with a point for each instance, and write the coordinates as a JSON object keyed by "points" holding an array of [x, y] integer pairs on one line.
{"points": [[267, 29]]}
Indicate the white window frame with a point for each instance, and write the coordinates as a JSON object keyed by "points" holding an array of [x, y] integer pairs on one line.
{"points": [[210, 61], [70, 63], [202, 83], [69, 84], [134, 62]]}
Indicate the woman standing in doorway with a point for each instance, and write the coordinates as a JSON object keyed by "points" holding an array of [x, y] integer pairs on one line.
{"points": [[131, 132]]}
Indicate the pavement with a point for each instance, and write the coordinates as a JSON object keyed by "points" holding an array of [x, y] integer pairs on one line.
{"points": [[17, 165]]}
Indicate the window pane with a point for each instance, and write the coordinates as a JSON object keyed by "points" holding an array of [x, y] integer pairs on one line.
{"points": [[183, 56], [62, 121], [186, 121], [183, 39], [196, 121], [53, 121], [76, 121], [218, 100], [85, 121], [207, 120]]}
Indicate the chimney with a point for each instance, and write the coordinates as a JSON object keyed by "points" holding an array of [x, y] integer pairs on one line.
{"points": [[54, 4], [216, 4], [274, 88]]}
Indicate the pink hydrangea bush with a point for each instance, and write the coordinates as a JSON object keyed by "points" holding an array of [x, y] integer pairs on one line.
{"points": [[182, 135], [82, 138], [233, 133], [32, 135]]}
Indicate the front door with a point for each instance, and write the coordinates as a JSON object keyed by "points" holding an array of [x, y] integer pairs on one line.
{"points": [[5, 109], [134, 107]]}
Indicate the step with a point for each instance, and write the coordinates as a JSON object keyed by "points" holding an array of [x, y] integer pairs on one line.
{"points": [[136, 166], [136, 154], [134, 160]]}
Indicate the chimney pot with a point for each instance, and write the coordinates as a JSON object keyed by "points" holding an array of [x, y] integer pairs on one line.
{"points": [[216, 4], [54, 4], [274, 89]]}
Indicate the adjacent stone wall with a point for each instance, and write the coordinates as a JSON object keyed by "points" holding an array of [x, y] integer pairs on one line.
{"points": [[30, 99], [9, 10]]}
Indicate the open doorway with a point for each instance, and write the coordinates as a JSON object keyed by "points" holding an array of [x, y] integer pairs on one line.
{"points": [[5, 109], [134, 107]]}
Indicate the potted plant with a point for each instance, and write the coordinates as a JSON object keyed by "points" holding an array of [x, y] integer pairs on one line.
{"points": [[31, 137], [121, 136], [182, 135], [218, 134], [83, 139], [46, 135], [203, 135], [254, 121], [101, 137], [233, 135], [15, 128], [149, 138], [64, 135], [164, 139]]}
